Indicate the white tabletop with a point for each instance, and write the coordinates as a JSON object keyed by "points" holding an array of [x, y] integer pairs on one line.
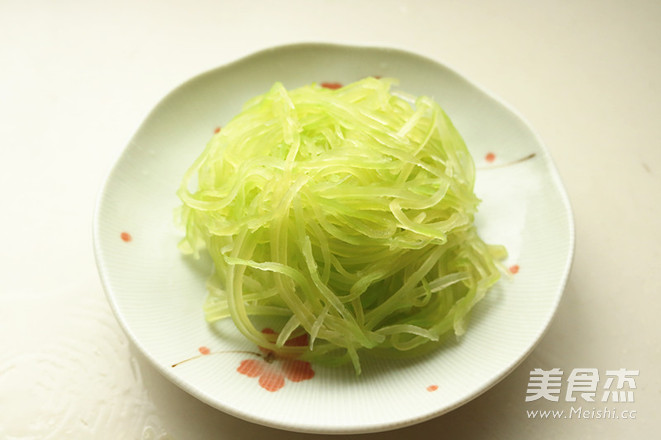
{"points": [[77, 78]]}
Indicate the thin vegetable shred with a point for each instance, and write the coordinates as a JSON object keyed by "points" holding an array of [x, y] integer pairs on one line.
{"points": [[346, 215]]}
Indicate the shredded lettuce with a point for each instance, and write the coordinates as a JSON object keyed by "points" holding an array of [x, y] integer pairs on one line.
{"points": [[346, 214]]}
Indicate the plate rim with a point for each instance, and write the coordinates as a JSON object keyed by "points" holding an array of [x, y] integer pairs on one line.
{"points": [[343, 429]]}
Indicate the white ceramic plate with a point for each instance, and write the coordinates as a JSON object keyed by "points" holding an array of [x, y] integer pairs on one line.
{"points": [[157, 294]]}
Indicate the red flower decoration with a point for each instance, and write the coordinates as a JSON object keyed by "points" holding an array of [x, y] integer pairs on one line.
{"points": [[272, 369], [331, 85]]}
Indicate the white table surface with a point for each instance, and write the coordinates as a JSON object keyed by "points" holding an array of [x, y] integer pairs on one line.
{"points": [[77, 78]]}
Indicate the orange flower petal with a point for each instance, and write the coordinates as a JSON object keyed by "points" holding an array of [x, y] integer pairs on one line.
{"points": [[271, 381], [272, 336], [251, 367], [297, 371], [298, 341], [331, 85]]}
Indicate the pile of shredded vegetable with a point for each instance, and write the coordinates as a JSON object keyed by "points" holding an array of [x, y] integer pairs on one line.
{"points": [[346, 215]]}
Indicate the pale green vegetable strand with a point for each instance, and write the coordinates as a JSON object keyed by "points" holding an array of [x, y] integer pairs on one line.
{"points": [[343, 214]]}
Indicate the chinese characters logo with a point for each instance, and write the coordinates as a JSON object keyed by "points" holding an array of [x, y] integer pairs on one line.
{"points": [[584, 383]]}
